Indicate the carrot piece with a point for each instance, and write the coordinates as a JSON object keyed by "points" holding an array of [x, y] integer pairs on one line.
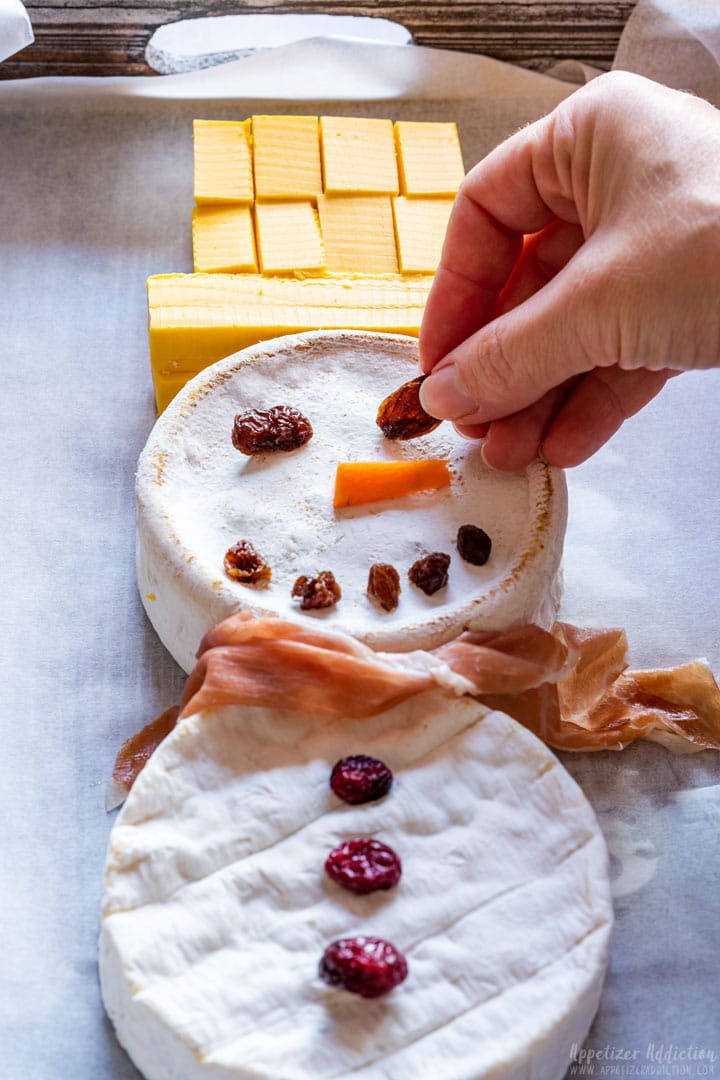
{"points": [[358, 482]]}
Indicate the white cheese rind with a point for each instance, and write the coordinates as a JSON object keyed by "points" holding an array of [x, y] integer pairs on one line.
{"points": [[196, 496], [217, 909]]}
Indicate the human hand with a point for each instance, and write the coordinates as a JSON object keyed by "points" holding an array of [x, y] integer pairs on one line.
{"points": [[547, 345]]}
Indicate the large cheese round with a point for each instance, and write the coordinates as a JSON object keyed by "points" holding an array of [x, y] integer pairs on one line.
{"points": [[197, 496], [217, 909]]}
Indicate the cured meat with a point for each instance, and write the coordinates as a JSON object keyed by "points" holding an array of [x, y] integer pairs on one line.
{"points": [[570, 687], [508, 661], [135, 752], [280, 664], [599, 705]]}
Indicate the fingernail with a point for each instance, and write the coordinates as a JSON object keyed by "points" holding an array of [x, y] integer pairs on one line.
{"points": [[441, 396], [485, 460]]}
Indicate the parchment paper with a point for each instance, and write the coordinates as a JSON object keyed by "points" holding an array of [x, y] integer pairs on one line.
{"points": [[95, 194], [15, 29]]}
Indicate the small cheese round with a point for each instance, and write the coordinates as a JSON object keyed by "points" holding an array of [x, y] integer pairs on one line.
{"points": [[197, 496], [217, 909]]}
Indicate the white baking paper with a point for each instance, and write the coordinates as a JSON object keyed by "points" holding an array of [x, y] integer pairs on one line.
{"points": [[15, 29], [193, 44], [676, 42], [95, 194]]}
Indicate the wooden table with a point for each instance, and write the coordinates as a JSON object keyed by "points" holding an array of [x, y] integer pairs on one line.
{"points": [[101, 37]]}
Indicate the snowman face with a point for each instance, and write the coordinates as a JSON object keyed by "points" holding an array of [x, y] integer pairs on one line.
{"points": [[197, 496]]}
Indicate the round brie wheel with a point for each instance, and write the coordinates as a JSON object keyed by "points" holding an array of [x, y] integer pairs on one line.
{"points": [[217, 909], [197, 496]]}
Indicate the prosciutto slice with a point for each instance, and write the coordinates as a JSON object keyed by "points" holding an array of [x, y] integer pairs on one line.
{"points": [[571, 687]]}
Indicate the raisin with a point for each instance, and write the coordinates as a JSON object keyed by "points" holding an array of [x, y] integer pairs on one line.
{"points": [[473, 544], [244, 563], [384, 585], [360, 779], [401, 416], [264, 431], [363, 865], [430, 573], [321, 591], [368, 966]]}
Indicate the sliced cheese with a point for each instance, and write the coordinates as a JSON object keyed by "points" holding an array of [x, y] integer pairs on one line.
{"points": [[288, 238], [196, 319], [223, 163], [217, 910], [358, 156], [429, 158], [420, 226], [223, 239], [286, 157], [358, 233]]}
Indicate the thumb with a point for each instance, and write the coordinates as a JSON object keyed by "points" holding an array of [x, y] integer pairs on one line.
{"points": [[517, 358]]}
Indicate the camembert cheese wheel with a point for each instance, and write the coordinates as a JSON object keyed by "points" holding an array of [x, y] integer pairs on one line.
{"points": [[217, 909], [197, 496]]}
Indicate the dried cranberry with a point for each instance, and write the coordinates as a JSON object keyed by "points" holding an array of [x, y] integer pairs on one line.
{"points": [[263, 431], [430, 573], [384, 585], [321, 591], [473, 544], [401, 416], [360, 779], [243, 563], [363, 965], [363, 865]]}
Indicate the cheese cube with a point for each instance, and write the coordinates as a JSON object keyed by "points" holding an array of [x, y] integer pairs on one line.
{"points": [[429, 158], [223, 165], [358, 233], [223, 238], [286, 157], [420, 226], [358, 156], [288, 238], [196, 319]]}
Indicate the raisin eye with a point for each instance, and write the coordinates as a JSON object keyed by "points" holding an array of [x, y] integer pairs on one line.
{"points": [[263, 431]]}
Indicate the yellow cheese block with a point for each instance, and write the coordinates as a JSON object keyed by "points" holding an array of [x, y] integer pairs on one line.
{"points": [[429, 158], [288, 238], [223, 163], [358, 233], [358, 156], [196, 319], [223, 238], [166, 385], [420, 226], [286, 157]]}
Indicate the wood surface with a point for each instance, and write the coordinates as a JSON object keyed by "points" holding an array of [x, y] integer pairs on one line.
{"points": [[95, 37]]}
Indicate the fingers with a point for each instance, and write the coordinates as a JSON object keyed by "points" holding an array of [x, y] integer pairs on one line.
{"points": [[573, 421], [594, 411], [518, 189], [480, 256], [512, 442], [516, 359], [543, 255]]}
